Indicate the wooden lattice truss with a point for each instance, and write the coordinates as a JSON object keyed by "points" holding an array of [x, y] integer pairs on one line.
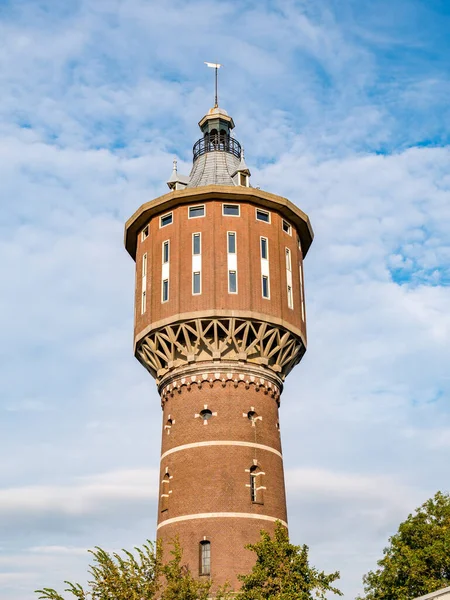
{"points": [[216, 339]]}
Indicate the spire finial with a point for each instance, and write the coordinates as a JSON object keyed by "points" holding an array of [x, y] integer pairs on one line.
{"points": [[215, 66], [175, 165]]}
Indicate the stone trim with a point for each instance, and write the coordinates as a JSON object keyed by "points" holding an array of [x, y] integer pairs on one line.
{"points": [[220, 443], [218, 193], [211, 379], [220, 515]]}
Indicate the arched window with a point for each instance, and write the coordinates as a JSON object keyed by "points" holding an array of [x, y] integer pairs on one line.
{"points": [[256, 485], [205, 558], [165, 491]]}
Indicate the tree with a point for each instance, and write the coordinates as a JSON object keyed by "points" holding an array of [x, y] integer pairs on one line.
{"points": [[142, 576], [282, 571], [417, 560]]}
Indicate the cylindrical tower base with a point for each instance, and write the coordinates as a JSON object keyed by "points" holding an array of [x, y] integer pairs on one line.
{"points": [[222, 478]]}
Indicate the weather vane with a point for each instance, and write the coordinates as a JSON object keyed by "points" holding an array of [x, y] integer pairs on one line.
{"points": [[215, 66]]}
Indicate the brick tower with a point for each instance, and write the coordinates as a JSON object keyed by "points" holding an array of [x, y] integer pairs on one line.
{"points": [[219, 323]]}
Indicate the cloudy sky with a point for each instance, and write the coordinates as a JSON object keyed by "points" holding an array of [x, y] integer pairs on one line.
{"points": [[342, 106]]}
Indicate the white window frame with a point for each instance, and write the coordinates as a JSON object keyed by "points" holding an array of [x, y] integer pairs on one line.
{"points": [[267, 212], [229, 204], [243, 176], [165, 270], [231, 234], [302, 291], [194, 273], [166, 244], [144, 233], [261, 247], [198, 235], [205, 558], [162, 291], [197, 216], [196, 262], [289, 289], [230, 271], [289, 226], [265, 277], [169, 214], [144, 284]]}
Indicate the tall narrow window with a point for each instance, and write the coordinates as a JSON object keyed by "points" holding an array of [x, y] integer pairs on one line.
{"points": [[232, 262], [205, 558], [165, 275], [196, 263], [264, 251], [165, 491], [302, 293], [196, 243], [232, 282], [231, 242], [290, 296], [166, 252], [165, 290], [144, 233], [196, 283], [256, 485], [144, 284], [288, 260], [264, 242]]}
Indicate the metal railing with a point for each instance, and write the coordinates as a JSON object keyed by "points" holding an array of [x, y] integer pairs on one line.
{"points": [[223, 143]]}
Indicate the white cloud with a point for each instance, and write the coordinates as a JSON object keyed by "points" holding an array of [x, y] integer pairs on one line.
{"points": [[97, 100]]}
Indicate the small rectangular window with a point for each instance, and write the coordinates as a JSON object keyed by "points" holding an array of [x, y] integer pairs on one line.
{"points": [[290, 299], [262, 215], [144, 233], [264, 248], [196, 211], [288, 260], [231, 210], [165, 290], [166, 220], [196, 243], [286, 227], [265, 286], [143, 302], [232, 282], [196, 283], [166, 251], [231, 242]]}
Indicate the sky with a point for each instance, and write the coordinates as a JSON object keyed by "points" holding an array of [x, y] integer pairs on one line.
{"points": [[342, 106]]}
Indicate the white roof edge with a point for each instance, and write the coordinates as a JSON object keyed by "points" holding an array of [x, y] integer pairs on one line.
{"points": [[435, 594]]}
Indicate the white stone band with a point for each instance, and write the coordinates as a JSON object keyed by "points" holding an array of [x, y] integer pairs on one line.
{"points": [[221, 515], [220, 443]]}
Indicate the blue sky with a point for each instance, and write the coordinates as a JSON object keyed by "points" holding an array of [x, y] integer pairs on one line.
{"points": [[342, 106]]}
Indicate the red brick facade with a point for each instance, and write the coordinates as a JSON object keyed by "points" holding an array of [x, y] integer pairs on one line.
{"points": [[221, 477]]}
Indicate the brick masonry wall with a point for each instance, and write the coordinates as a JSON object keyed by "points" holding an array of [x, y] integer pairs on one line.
{"points": [[216, 478], [213, 228]]}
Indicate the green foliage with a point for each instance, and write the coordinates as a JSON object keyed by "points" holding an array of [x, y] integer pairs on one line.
{"points": [[133, 577], [142, 576], [417, 561], [282, 571]]}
